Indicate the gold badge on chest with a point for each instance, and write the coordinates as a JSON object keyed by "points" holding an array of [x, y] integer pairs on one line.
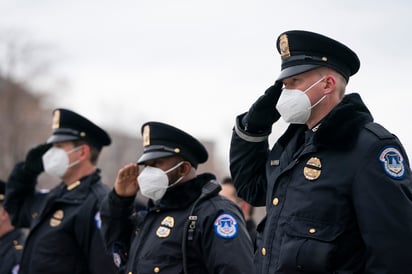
{"points": [[163, 231], [312, 169], [57, 218]]}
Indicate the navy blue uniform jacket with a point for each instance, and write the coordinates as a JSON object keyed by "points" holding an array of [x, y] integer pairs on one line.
{"points": [[64, 226], [338, 197], [154, 243], [11, 248]]}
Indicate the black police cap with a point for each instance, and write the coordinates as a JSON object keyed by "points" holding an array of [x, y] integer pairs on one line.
{"points": [[2, 190], [70, 126], [162, 140], [302, 51]]}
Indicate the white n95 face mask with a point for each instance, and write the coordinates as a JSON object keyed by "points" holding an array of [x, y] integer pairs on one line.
{"points": [[294, 104], [56, 161], [153, 182]]}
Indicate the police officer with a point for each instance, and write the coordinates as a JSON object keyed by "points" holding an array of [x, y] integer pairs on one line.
{"points": [[337, 186], [188, 227], [64, 223], [11, 239]]}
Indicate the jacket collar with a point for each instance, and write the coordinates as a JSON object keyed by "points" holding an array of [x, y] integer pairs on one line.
{"points": [[340, 128], [77, 191], [183, 194]]}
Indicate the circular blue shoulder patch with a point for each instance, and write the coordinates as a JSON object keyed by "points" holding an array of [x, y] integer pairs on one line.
{"points": [[392, 162], [226, 226]]}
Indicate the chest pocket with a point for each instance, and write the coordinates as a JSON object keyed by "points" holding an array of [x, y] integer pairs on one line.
{"points": [[309, 246], [163, 264]]}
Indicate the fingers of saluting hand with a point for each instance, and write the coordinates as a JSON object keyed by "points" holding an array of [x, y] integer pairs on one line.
{"points": [[126, 181], [130, 171]]}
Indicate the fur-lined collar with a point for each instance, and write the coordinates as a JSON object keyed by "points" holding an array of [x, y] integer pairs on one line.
{"points": [[183, 194], [340, 128]]}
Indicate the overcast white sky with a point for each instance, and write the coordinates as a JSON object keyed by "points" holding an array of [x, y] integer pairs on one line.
{"points": [[198, 64]]}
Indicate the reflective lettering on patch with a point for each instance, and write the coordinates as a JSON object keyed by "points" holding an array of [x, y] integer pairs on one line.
{"points": [[98, 220], [392, 162], [226, 226]]}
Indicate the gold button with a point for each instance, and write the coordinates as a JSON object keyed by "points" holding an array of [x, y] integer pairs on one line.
{"points": [[275, 201], [312, 230], [156, 270], [264, 251]]}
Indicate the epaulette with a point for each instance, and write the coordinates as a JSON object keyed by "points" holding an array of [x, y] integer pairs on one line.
{"points": [[379, 131]]}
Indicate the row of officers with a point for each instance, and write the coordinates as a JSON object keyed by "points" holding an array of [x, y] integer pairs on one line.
{"points": [[337, 188]]}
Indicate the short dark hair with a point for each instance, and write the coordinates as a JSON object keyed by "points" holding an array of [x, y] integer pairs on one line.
{"points": [[94, 151]]}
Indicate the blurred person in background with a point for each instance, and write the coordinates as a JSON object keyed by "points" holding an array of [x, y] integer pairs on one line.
{"points": [[64, 223]]}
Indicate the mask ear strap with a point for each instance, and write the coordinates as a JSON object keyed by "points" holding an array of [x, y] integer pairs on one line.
{"points": [[173, 167], [318, 102], [178, 180], [175, 183], [314, 84]]}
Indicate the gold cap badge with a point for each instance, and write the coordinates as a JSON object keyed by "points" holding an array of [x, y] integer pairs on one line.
{"points": [[146, 136], [56, 119], [284, 46], [312, 169]]}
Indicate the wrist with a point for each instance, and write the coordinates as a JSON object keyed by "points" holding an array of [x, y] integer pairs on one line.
{"points": [[22, 175], [250, 136]]}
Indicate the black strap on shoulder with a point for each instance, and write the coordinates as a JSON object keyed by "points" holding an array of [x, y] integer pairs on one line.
{"points": [[211, 188]]}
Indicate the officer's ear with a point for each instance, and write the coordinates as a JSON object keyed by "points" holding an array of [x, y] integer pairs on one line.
{"points": [[185, 168], [85, 152], [330, 84], [3, 214]]}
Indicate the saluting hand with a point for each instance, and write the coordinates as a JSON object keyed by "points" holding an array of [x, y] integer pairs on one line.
{"points": [[262, 114], [34, 163], [126, 181]]}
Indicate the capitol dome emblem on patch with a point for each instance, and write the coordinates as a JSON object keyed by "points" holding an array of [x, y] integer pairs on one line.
{"points": [[392, 162], [226, 226]]}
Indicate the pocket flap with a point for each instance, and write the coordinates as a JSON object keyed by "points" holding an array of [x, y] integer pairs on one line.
{"points": [[315, 230]]}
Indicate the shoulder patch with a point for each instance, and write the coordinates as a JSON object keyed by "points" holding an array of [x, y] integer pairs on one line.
{"points": [[98, 220], [392, 162], [226, 226]]}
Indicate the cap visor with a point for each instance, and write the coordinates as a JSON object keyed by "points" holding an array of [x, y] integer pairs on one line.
{"points": [[154, 155], [61, 138], [295, 70]]}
